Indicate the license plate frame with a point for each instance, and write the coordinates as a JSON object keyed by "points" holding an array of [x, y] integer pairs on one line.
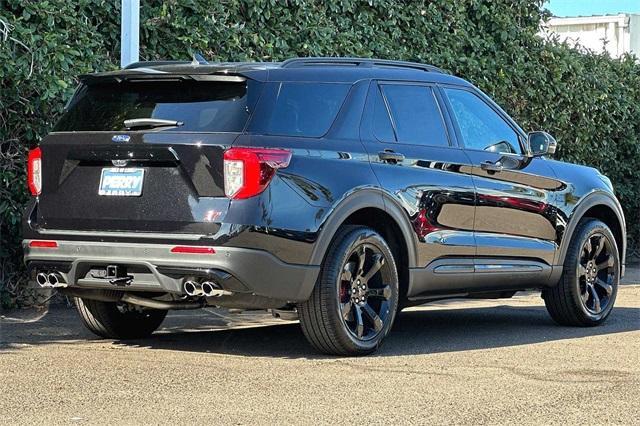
{"points": [[121, 182]]}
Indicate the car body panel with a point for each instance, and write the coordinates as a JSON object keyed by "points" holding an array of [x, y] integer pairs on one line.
{"points": [[434, 188], [466, 230]]}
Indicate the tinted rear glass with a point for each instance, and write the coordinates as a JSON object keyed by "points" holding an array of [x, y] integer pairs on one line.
{"points": [[416, 114], [382, 126], [202, 106], [300, 109]]}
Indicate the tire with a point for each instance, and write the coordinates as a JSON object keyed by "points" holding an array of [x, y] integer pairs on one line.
{"points": [[587, 289], [108, 320], [354, 303]]}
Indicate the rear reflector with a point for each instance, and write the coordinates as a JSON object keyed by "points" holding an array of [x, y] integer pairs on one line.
{"points": [[193, 250], [43, 244]]}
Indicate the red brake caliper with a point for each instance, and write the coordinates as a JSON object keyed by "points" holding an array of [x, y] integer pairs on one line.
{"points": [[344, 292]]}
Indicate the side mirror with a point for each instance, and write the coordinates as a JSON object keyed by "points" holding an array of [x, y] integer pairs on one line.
{"points": [[541, 143]]}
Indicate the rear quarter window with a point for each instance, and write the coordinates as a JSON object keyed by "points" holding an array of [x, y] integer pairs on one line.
{"points": [[300, 109]]}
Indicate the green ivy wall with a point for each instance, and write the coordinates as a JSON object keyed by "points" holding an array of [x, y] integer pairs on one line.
{"points": [[591, 103]]}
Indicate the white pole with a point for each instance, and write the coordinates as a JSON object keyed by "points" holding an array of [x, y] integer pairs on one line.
{"points": [[129, 32]]}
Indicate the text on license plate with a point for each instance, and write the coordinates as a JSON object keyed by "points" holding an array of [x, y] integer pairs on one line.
{"points": [[125, 182]]}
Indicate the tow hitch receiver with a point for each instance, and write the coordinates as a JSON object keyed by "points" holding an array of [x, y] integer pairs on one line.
{"points": [[115, 274]]}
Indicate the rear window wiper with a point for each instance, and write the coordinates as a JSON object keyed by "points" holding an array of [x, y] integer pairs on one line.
{"points": [[151, 123]]}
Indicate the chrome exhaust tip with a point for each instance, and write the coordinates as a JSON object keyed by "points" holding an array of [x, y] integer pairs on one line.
{"points": [[42, 279], [211, 289], [54, 279], [193, 288]]}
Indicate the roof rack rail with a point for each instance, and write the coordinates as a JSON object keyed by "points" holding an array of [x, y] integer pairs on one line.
{"points": [[359, 62], [142, 64]]}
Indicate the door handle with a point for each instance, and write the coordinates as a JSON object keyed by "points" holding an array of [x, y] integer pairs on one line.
{"points": [[491, 167], [390, 156]]}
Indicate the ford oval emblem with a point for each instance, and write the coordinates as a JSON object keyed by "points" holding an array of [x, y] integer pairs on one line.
{"points": [[121, 138]]}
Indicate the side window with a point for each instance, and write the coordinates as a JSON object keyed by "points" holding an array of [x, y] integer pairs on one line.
{"points": [[382, 128], [305, 109], [416, 115], [481, 127]]}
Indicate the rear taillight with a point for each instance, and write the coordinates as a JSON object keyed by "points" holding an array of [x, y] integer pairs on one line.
{"points": [[248, 171], [34, 171]]}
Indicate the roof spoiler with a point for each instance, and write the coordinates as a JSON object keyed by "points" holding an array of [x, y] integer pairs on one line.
{"points": [[144, 64], [154, 75]]}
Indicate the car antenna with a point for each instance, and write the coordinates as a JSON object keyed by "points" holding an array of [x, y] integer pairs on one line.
{"points": [[198, 59]]}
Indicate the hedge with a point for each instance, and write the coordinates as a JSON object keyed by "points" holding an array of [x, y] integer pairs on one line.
{"points": [[590, 102]]}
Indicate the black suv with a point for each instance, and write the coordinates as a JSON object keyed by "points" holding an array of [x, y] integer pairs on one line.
{"points": [[334, 190]]}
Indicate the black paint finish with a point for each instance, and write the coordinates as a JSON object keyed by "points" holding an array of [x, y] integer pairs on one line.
{"points": [[466, 227]]}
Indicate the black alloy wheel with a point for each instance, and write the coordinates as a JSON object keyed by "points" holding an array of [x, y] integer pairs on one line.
{"points": [[587, 289], [596, 273], [364, 296], [354, 303]]}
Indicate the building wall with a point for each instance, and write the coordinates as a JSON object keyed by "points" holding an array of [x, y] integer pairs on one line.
{"points": [[616, 34], [634, 31]]}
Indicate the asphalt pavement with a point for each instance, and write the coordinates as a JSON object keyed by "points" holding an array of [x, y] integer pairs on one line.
{"points": [[456, 362]]}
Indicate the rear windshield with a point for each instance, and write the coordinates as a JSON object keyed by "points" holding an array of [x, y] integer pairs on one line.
{"points": [[201, 106], [299, 109]]}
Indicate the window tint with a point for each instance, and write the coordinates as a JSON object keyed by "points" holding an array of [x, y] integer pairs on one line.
{"points": [[382, 128], [305, 109], [481, 127], [416, 115], [202, 106]]}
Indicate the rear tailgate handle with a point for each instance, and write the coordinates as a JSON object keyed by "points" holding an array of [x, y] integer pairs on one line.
{"points": [[146, 154], [491, 167], [389, 156]]}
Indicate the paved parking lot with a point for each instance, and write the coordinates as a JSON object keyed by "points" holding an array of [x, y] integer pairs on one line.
{"points": [[500, 361]]}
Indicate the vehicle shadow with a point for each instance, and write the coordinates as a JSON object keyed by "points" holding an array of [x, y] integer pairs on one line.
{"points": [[424, 331], [415, 332]]}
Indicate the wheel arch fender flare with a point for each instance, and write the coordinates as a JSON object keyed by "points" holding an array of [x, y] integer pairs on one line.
{"points": [[358, 200], [594, 199]]}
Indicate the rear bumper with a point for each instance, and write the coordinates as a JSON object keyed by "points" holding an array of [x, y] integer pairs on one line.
{"points": [[155, 268]]}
